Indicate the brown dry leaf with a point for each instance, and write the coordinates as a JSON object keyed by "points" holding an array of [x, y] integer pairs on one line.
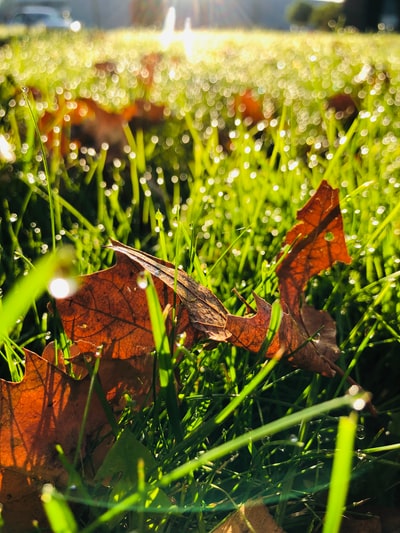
{"points": [[144, 114], [370, 524], [43, 410], [92, 126], [344, 106], [116, 376], [149, 64], [46, 409], [206, 313], [111, 310], [208, 319], [372, 518], [307, 334], [251, 517], [84, 122], [316, 244], [107, 67], [250, 106], [303, 352]]}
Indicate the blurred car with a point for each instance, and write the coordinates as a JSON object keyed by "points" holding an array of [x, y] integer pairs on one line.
{"points": [[47, 17]]}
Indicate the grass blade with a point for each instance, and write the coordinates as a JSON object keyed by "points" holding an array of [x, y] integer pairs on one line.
{"points": [[28, 289], [163, 350], [257, 434], [57, 510], [341, 473]]}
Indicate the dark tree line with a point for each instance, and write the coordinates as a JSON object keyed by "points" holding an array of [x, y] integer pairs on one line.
{"points": [[367, 14]]}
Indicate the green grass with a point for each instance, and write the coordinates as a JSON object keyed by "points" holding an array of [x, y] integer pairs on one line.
{"points": [[236, 429]]}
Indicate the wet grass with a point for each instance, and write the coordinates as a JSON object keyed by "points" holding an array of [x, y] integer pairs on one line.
{"points": [[216, 193]]}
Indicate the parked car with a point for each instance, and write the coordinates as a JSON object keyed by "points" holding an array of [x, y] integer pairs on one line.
{"points": [[47, 17]]}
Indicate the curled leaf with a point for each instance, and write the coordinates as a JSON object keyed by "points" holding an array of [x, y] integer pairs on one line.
{"points": [[315, 244]]}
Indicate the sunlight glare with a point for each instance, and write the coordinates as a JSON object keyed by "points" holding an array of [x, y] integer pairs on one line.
{"points": [[167, 34], [188, 39]]}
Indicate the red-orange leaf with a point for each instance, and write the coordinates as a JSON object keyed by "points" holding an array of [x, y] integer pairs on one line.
{"points": [[316, 243], [206, 313], [310, 345], [111, 310], [253, 107], [43, 410], [46, 409]]}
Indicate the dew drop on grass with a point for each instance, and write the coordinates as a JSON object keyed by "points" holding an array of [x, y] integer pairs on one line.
{"points": [[62, 287], [358, 403], [142, 280], [360, 432]]}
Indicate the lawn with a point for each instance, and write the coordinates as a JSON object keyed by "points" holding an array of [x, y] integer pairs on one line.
{"points": [[230, 136]]}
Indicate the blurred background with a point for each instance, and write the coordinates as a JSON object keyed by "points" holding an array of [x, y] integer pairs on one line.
{"points": [[363, 15]]}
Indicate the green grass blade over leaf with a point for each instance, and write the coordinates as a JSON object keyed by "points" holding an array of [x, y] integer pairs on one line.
{"points": [[341, 473], [58, 512], [165, 357]]}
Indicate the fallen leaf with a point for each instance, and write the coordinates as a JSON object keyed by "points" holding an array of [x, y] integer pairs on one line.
{"points": [[43, 410], [206, 313], [345, 108], [371, 524], [94, 126], [117, 377], [46, 409], [252, 107], [252, 516], [111, 310], [107, 67], [84, 122], [372, 518], [316, 244], [54, 127], [293, 337], [144, 114], [149, 63]]}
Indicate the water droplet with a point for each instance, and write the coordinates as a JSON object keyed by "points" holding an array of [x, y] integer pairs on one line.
{"points": [[317, 337], [360, 432], [141, 280], [99, 351], [359, 404], [180, 339], [62, 287], [353, 390]]}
